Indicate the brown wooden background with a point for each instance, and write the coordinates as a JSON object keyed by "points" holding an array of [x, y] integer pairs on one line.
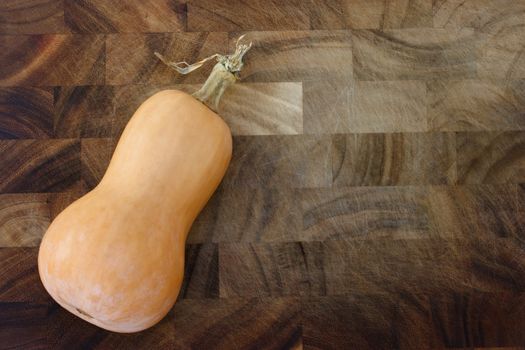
{"points": [[374, 196]]}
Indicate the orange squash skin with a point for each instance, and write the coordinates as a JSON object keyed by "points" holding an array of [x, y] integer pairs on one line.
{"points": [[115, 257]]}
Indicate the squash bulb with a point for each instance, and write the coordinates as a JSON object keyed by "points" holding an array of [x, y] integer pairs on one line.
{"points": [[115, 257]]}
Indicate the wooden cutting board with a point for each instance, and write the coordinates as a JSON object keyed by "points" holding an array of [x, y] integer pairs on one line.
{"points": [[374, 197]]}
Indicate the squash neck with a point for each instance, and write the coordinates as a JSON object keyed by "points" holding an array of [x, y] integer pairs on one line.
{"points": [[176, 215]]}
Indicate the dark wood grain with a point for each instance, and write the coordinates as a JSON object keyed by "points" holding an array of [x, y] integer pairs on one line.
{"points": [[474, 212], [192, 324], [53, 59], [262, 214], [280, 161], [32, 17], [405, 54], [478, 320], [39, 165], [216, 15], [26, 113], [485, 15], [393, 159], [83, 111], [24, 325], [300, 15], [381, 266], [498, 265], [24, 217], [375, 14], [244, 323], [66, 331], [297, 55], [249, 270], [95, 157], [356, 213], [521, 197], [491, 157], [375, 198], [368, 322], [479, 105], [201, 274], [19, 276], [501, 55], [104, 16]]}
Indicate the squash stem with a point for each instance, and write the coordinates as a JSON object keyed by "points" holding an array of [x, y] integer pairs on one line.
{"points": [[223, 74]]}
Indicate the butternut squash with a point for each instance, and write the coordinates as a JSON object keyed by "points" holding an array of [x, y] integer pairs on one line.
{"points": [[115, 257]]}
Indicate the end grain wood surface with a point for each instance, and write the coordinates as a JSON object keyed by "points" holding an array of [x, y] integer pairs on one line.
{"points": [[376, 195]]}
